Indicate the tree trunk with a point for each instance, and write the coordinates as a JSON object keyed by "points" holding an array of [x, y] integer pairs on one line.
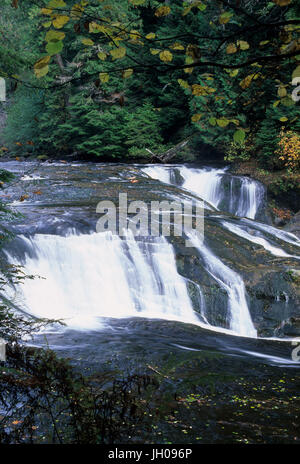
{"points": [[166, 156]]}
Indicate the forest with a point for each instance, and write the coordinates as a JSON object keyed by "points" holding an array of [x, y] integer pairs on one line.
{"points": [[113, 79], [139, 339]]}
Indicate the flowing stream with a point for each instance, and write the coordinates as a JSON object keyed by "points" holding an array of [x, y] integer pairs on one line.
{"points": [[91, 279], [140, 279], [238, 195]]}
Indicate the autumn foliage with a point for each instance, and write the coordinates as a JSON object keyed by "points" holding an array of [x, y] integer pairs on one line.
{"points": [[289, 150]]}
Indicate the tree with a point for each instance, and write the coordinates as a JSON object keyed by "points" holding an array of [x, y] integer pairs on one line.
{"points": [[229, 61]]}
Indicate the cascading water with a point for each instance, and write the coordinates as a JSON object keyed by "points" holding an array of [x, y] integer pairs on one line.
{"points": [[251, 195], [256, 237], [162, 173], [91, 278], [206, 183], [238, 312], [278, 233], [237, 195], [86, 278]]}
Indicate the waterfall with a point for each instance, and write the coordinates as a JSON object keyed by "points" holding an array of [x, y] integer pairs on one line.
{"points": [[161, 173], [239, 316], [251, 196], [270, 230], [240, 196], [206, 183], [256, 237], [85, 278]]}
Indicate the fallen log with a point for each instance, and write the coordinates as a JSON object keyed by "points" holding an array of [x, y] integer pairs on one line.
{"points": [[166, 156]]}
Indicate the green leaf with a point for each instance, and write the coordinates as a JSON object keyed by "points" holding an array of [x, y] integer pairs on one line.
{"points": [[225, 17], [184, 84], [102, 56], [287, 101], [54, 47], [239, 136], [104, 77], [223, 122]]}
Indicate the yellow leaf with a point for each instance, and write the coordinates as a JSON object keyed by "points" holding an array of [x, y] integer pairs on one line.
{"points": [[196, 117], [54, 36], [234, 73], [42, 62], [225, 17], [162, 11], [186, 10], [60, 21], [150, 36], [102, 56], [135, 35], [118, 53], [154, 51], [95, 28], [243, 45], [283, 119], [223, 122], [166, 56], [41, 72], [127, 73], [282, 92], [245, 83], [231, 48], [198, 90], [296, 72], [189, 60], [41, 67], [134, 2], [282, 2], [46, 11], [76, 11], [177, 46], [183, 83], [104, 77], [88, 42]]}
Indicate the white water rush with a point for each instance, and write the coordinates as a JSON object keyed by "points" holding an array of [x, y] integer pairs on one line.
{"points": [[86, 278], [238, 195], [237, 309]]}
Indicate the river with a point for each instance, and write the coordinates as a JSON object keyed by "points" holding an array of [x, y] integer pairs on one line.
{"points": [[220, 316], [122, 291]]}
